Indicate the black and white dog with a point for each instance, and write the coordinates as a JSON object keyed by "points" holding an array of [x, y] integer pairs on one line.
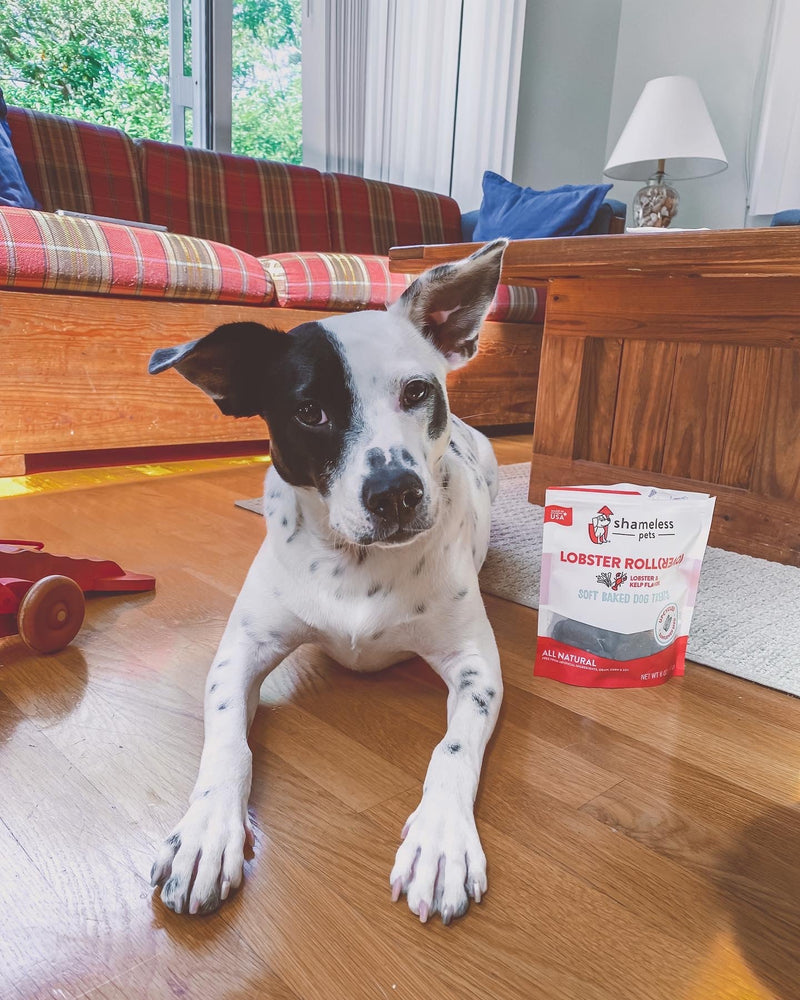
{"points": [[378, 506]]}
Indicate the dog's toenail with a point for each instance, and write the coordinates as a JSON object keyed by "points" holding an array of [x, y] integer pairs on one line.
{"points": [[447, 915], [423, 912], [397, 888], [476, 892]]}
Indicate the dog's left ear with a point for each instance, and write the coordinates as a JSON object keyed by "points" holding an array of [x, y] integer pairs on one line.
{"points": [[448, 304], [231, 365]]}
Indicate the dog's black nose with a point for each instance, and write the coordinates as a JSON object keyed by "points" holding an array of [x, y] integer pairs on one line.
{"points": [[393, 495]]}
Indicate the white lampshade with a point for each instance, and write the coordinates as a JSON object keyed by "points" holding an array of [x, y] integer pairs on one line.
{"points": [[670, 122]]}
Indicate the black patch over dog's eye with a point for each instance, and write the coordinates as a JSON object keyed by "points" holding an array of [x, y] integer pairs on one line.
{"points": [[415, 392], [312, 415]]}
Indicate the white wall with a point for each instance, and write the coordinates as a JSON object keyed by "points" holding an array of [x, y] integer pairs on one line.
{"points": [[719, 43], [568, 58], [584, 64]]}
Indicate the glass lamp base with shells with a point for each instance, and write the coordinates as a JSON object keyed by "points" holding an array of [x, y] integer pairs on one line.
{"points": [[656, 204]]}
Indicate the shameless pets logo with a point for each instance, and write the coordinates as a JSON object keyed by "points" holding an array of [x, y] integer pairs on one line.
{"points": [[598, 526]]}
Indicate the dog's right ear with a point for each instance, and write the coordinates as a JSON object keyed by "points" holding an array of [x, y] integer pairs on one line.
{"points": [[230, 364]]}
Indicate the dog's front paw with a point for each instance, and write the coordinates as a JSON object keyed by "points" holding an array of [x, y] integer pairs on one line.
{"points": [[440, 863], [202, 859]]}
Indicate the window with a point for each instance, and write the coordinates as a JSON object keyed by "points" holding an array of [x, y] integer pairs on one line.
{"points": [[236, 64], [224, 74], [103, 62]]}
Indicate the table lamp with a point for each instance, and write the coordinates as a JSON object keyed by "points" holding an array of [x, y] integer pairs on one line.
{"points": [[669, 130]]}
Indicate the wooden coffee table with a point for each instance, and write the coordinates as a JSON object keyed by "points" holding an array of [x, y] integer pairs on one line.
{"points": [[671, 359]]}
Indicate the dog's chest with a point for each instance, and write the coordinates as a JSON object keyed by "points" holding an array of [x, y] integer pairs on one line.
{"points": [[370, 608]]}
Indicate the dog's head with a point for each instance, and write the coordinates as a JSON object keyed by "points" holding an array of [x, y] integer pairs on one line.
{"points": [[356, 404]]}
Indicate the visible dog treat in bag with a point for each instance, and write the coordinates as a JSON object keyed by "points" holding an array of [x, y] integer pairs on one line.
{"points": [[620, 568]]}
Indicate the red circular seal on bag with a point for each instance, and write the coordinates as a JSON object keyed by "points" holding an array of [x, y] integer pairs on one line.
{"points": [[666, 625]]}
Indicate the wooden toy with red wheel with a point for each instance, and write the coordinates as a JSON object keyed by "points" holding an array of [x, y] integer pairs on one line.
{"points": [[41, 594]]}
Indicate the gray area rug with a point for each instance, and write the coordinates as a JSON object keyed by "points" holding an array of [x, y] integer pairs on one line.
{"points": [[747, 616]]}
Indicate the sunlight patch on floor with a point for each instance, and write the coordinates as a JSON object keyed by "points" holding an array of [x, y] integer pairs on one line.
{"points": [[81, 479]]}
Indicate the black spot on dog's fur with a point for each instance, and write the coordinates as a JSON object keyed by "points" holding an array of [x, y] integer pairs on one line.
{"points": [[213, 688], [284, 522], [455, 449], [437, 424], [374, 589], [407, 457], [419, 567], [222, 706], [420, 608], [465, 679], [377, 635], [490, 693], [453, 748], [480, 701], [361, 554], [174, 841], [338, 569], [314, 566], [375, 458], [275, 635], [461, 594], [222, 664]]}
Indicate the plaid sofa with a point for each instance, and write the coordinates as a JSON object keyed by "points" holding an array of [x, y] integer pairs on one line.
{"points": [[240, 230], [83, 302]]}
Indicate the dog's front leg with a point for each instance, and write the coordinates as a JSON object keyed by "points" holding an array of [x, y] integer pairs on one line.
{"points": [[441, 863], [202, 859]]}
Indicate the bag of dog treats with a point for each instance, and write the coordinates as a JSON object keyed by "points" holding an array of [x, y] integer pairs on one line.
{"points": [[620, 568]]}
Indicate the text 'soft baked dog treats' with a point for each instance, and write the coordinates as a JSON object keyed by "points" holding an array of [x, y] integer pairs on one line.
{"points": [[620, 568]]}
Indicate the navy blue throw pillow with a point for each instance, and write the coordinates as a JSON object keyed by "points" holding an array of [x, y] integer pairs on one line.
{"points": [[13, 189], [522, 213]]}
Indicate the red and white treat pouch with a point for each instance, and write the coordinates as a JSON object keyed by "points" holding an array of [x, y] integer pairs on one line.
{"points": [[620, 569]]}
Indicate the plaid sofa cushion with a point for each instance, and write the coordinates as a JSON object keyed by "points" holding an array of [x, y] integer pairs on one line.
{"points": [[56, 253], [343, 282], [77, 166], [368, 216], [259, 206]]}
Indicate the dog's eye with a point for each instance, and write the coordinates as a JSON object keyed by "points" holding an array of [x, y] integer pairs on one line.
{"points": [[415, 392], [311, 415]]}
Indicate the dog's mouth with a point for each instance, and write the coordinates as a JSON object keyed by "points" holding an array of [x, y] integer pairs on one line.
{"points": [[402, 536]]}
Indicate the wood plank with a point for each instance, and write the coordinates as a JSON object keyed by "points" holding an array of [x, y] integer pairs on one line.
{"points": [[558, 395], [12, 465], [762, 312], [78, 378], [748, 395], [499, 385], [643, 400], [594, 420], [777, 472], [733, 253], [699, 411], [743, 522]]}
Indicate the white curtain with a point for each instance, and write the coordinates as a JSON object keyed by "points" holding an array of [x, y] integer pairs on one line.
{"points": [[775, 181], [416, 92]]}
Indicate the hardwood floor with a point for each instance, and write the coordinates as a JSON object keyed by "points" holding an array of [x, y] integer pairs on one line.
{"points": [[642, 844]]}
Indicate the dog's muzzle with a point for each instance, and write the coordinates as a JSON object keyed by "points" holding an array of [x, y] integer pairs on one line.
{"points": [[394, 499]]}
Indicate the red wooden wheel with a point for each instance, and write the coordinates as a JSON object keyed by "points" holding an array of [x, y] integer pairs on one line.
{"points": [[51, 613]]}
